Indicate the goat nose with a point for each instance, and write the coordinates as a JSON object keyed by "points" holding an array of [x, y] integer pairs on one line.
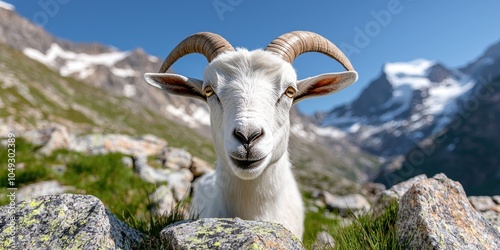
{"points": [[248, 137]]}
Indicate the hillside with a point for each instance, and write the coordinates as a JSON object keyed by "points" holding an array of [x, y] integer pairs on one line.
{"points": [[29, 100]]}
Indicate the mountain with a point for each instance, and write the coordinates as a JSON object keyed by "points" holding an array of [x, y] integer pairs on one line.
{"points": [[467, 149], [405, 104], [117, 72], [122, 102]]}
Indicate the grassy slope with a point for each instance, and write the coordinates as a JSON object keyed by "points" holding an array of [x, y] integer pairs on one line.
{"points": [[72, 102]]}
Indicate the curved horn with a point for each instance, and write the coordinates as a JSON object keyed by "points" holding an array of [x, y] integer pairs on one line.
{"points": [[292, 44], [206, 43]]}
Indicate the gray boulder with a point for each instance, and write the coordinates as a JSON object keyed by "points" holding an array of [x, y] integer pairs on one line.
{"points": [[65, 221], [50, 137], [346, 203], [162, 200], [324, 240], [482, 203], [435, 214], [394, 194], [176, 158], [200, 167], [115, 143], [41, 188], [228, 234]]}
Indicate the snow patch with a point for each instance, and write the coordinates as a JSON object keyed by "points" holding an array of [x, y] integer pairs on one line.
{"points": [[298, 130], [76, 63], [7, 6], [129, 90], [328, 132], [153, 59], [124, 73], [442, 98], [200, 116], [416, 67]]}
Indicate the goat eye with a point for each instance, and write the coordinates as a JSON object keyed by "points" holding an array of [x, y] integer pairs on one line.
{"points": [[208, 91], [290, 92]]}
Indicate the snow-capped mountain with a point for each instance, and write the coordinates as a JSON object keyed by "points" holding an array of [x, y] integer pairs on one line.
{"points": [[466, 150], [409, 101]]}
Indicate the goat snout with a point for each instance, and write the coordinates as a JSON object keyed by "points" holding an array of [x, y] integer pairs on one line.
{"points": [[248, 136]]}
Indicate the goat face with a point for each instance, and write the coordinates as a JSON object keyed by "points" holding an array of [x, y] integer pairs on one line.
{"points": [[250, 95]]}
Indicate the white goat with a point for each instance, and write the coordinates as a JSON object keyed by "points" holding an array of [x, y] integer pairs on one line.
{"points": [[250, 94]]}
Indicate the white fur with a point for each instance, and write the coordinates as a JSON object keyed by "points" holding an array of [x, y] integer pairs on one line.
{"points": [[249, 90]]}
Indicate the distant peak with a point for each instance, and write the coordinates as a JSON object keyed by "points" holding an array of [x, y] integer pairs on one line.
{"points": [[417, 67], [7, 6]]}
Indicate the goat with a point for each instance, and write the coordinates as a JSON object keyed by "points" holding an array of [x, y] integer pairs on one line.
{"points": [[250, 94]]}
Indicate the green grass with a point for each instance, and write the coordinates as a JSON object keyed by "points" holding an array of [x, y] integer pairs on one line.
{"points": [[151, 226], [366, 231], [104, 176], [369, 232]]}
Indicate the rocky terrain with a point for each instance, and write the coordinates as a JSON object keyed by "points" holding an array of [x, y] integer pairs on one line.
{"points": [[172, 170]]}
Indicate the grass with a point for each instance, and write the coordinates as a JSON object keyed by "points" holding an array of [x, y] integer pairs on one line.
{"points": [[151, 226], [369, 232]]}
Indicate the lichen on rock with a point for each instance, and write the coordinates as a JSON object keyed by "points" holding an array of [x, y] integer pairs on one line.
{"points": [[212, 233], [64, 221], [435, 214]]}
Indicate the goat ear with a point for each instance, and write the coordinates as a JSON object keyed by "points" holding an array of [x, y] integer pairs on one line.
{"points": [[324, 84], [176, 84]]}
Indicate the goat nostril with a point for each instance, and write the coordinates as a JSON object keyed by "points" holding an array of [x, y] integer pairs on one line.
{"points": [[240, 136], [255, 135]]}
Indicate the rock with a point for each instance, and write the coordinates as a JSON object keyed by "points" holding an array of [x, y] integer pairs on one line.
{"points": [[325, 240], [493, 217], [41, 188], [371, 190], [127, 162], [482, 203], [496, 198], [176, 158], [212, 233], [435, 214], [162, 200], [59, 168], [115, 143], [394, 194], [345, 204], [51, 137], [200, 167], [64, 221], [179, 181]]}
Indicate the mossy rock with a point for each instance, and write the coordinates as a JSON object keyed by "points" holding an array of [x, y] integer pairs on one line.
{"points": [[64, 221], [213, 233]]}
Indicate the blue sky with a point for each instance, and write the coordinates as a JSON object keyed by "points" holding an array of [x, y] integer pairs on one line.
{"points": [[370, 32]]}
